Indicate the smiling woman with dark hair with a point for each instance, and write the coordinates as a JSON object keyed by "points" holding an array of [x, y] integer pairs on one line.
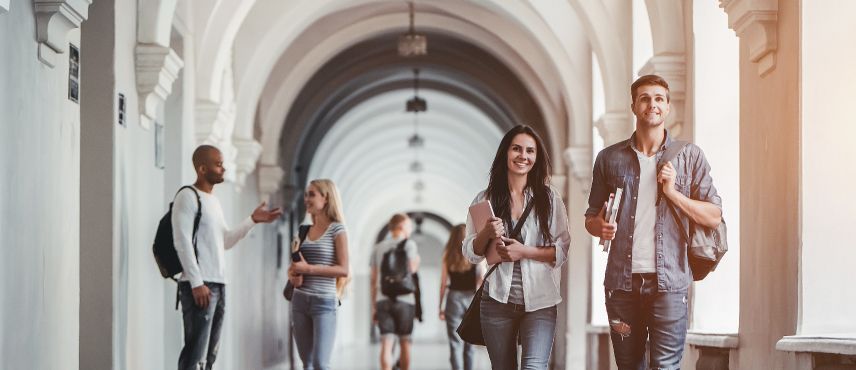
{"points": [[521, 296]]}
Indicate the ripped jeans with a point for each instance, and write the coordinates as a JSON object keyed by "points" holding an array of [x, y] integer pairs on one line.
{"points": [[643, 317]]}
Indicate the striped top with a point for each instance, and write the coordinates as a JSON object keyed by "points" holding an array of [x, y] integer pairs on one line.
{"points": [[516, 295], [321, 251]]}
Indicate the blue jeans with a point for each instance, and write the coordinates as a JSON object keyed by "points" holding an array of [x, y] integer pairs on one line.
{"points": [[461, 353], [201, 327], [502, 323], [643, 317], [314, 321]]}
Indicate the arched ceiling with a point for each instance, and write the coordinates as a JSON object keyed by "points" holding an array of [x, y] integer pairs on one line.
{"points": [[274, 62], [366, 154], [373, 67]]}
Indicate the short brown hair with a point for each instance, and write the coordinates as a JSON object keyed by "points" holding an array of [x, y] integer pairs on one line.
{"points": [[396, 220], [648, 80]]}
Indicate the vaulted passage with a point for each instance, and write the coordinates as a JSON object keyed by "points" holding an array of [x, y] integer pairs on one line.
{"points": [[104, 102]]}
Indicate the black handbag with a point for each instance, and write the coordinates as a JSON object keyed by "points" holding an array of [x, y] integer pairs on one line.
{"points": [[470, 329], [288, 292]]}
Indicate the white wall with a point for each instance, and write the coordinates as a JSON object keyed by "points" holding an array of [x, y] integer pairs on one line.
{"points": [[717, 131], [39, 203], [827, 129], [248, 267], [643, 43]]}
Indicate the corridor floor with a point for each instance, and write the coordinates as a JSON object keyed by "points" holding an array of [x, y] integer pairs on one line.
{"points": [[426, 356]]}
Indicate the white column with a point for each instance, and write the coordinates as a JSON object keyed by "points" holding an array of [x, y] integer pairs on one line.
{"points": [[54, 19], [578, 159]]}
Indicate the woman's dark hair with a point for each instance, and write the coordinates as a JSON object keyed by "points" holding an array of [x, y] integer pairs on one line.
{"points": [[537, 181]]}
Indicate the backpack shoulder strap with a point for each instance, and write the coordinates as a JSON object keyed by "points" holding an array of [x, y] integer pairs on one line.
{"points": [[401, 244], [672, 151], [302, 232], [196, 219]]}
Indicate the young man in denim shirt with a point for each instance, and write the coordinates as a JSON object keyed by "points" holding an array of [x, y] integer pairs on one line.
{"points": [[647, 273]]}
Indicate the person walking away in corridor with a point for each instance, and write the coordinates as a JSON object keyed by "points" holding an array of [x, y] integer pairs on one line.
{"points": [[521, 297], [394, 314], [647, 271], [462, 278], [202, 285], [318, 277]]}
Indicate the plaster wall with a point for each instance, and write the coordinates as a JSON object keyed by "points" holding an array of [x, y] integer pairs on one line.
{"points": [[827, 53], [39, 201]]}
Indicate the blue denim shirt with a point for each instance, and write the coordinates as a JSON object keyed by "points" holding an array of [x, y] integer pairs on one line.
{"points": [[618, 167]]}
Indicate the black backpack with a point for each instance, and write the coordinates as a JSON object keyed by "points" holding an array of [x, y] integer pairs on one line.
{"points": [[164, 247], [395, 276]]}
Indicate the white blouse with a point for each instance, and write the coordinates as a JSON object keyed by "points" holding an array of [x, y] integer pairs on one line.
{"points": [[541, 280]]}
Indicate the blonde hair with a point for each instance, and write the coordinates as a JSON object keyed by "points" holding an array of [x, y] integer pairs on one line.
{"points": [[333, 208], [453, 258]]}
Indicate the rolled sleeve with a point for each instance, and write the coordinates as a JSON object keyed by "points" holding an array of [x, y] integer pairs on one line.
{"points": [[560, 231], [702, 186], [467, 245]]}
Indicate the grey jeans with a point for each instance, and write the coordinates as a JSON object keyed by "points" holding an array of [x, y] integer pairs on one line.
{"points": [[502, 323], [461, 354], [201, 327]]}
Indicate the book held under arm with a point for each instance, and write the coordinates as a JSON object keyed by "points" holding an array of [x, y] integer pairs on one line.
{"points": [[481, 212]]}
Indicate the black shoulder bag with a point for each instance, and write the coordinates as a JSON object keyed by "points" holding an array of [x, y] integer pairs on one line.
{"points": [[470, 329]]}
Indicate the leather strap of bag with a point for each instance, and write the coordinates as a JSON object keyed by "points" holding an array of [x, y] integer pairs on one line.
{"points": [[514, 234]]}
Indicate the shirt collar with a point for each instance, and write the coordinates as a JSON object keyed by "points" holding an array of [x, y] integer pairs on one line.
{"points": [[631, 144]]}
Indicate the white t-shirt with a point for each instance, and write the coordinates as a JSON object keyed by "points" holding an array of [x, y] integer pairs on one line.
{"points": [[212, 238], [646, 216]]}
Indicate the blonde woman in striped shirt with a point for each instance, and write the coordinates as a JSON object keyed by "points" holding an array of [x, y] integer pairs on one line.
{"points": [[319, 277]]}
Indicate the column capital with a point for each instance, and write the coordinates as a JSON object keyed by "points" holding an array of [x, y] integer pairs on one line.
{"points": [[157, 68], [212, 120], [614, 126], [755, 21], [270, 177], [54, 19], [249, 151], [579, 162]]}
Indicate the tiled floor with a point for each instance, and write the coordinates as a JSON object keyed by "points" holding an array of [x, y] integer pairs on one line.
{"points": [[426, 356]]}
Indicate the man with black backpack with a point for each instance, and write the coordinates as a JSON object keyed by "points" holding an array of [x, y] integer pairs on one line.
{"points": [[666, 185], [393, 263], [200, 244]]}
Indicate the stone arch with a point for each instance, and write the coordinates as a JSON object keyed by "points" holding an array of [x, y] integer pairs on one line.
{"points": [[560, 109]]}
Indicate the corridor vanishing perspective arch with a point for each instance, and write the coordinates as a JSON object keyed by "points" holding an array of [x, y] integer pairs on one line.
{"points": [[295, 90]]}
